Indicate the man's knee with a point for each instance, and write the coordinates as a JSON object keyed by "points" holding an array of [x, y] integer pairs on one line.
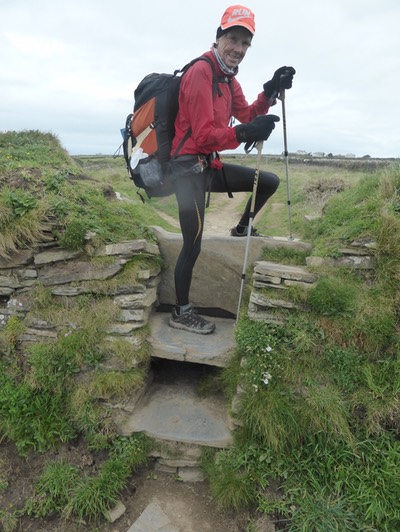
{"points": [[269, 182], [276, 181]]}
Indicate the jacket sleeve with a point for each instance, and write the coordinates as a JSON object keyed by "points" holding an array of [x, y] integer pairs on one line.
{"points": [[244, 112]]}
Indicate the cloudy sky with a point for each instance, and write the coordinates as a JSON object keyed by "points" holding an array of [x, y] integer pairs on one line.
{"points": [[71, 67]]}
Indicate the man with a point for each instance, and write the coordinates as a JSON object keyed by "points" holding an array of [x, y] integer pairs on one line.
{"points": [[207, 114]]}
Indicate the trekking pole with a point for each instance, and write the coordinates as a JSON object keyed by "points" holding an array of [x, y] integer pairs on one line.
{"points": [[286, 153], [259, 146]]}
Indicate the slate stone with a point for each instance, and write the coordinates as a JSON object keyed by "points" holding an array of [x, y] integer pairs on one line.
{"points": [[128, 248], [71, 271], [153, 519], [261, 300], [218, 270], [354, 262], [6, 291], [172, 410], [176, 344], [271, 269], [55, 255], [116, 512], [191, 474], [16, 259]]}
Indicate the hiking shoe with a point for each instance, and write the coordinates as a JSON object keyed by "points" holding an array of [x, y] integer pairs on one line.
{"points": [[191, 321], [235, 232]]}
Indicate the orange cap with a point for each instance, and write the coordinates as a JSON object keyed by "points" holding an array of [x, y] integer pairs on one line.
{"points": [[238, 16]]}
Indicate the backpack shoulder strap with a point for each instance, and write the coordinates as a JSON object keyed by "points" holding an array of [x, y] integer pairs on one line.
{"points": [[215, 79], [215, 90]]}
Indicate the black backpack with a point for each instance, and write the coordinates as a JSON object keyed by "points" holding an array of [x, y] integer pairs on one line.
{"points": [[149, 130]]}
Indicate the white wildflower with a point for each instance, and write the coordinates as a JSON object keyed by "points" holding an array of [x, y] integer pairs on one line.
{"points": [[268, 349], [266, 377], [255, 387]]}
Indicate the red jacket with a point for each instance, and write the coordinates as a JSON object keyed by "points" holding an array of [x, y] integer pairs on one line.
{"points": [[209, 115]]}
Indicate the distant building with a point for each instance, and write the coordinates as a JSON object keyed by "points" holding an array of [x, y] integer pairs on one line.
{"points": [[319, 154]]}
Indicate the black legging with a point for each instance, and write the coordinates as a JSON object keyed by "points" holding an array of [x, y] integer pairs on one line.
{"points": [[190, 191]]}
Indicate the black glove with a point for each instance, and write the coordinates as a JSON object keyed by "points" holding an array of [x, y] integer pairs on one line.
{"points": [[259, 129], [282, 79]]}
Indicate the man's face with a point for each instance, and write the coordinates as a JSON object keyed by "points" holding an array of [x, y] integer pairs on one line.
{"points": [[232, 46]]}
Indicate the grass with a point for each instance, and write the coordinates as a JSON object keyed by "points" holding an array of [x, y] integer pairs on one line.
{"points": [[285, 256], [113, 172], [321, 407], [329, 298], [41, 185], [32, 418], [318, 446], [310, 187], [63, 489], [116, 384], [43, 400]]}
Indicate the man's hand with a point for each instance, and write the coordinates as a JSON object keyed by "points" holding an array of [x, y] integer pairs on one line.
{"points": [[259, 129], [282, 79]]}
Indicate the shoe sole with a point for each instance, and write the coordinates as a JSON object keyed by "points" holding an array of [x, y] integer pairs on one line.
{"points": [[245, 235], [177, 325]]}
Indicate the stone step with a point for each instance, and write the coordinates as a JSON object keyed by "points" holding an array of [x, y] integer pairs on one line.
{"points": [[175, 344], [172, 410]]}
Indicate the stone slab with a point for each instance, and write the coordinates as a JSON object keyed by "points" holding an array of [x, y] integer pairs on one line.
{"points": [[355, 262], [271, 269], [173, 411], [16, 259], [153, 519], [191, 474], [175, 344], [217, 273]]}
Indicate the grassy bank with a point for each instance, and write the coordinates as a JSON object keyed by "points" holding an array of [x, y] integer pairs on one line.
{"points": [[320, 446]]}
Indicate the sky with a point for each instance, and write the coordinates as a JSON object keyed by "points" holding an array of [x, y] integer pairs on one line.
{"points": [[71, 68]]}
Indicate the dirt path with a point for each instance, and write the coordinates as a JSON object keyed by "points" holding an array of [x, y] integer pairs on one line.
{"points": [[189, 505], [223, 213]]}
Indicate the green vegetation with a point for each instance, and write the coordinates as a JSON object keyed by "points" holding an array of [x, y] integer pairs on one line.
{"points": [[63, 489], [42, 186], [318, 448], [44, 400]]}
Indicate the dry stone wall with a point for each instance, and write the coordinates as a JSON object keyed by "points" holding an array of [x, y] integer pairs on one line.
{"points": [[268, 305], [271, 280], [68, 274]]}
